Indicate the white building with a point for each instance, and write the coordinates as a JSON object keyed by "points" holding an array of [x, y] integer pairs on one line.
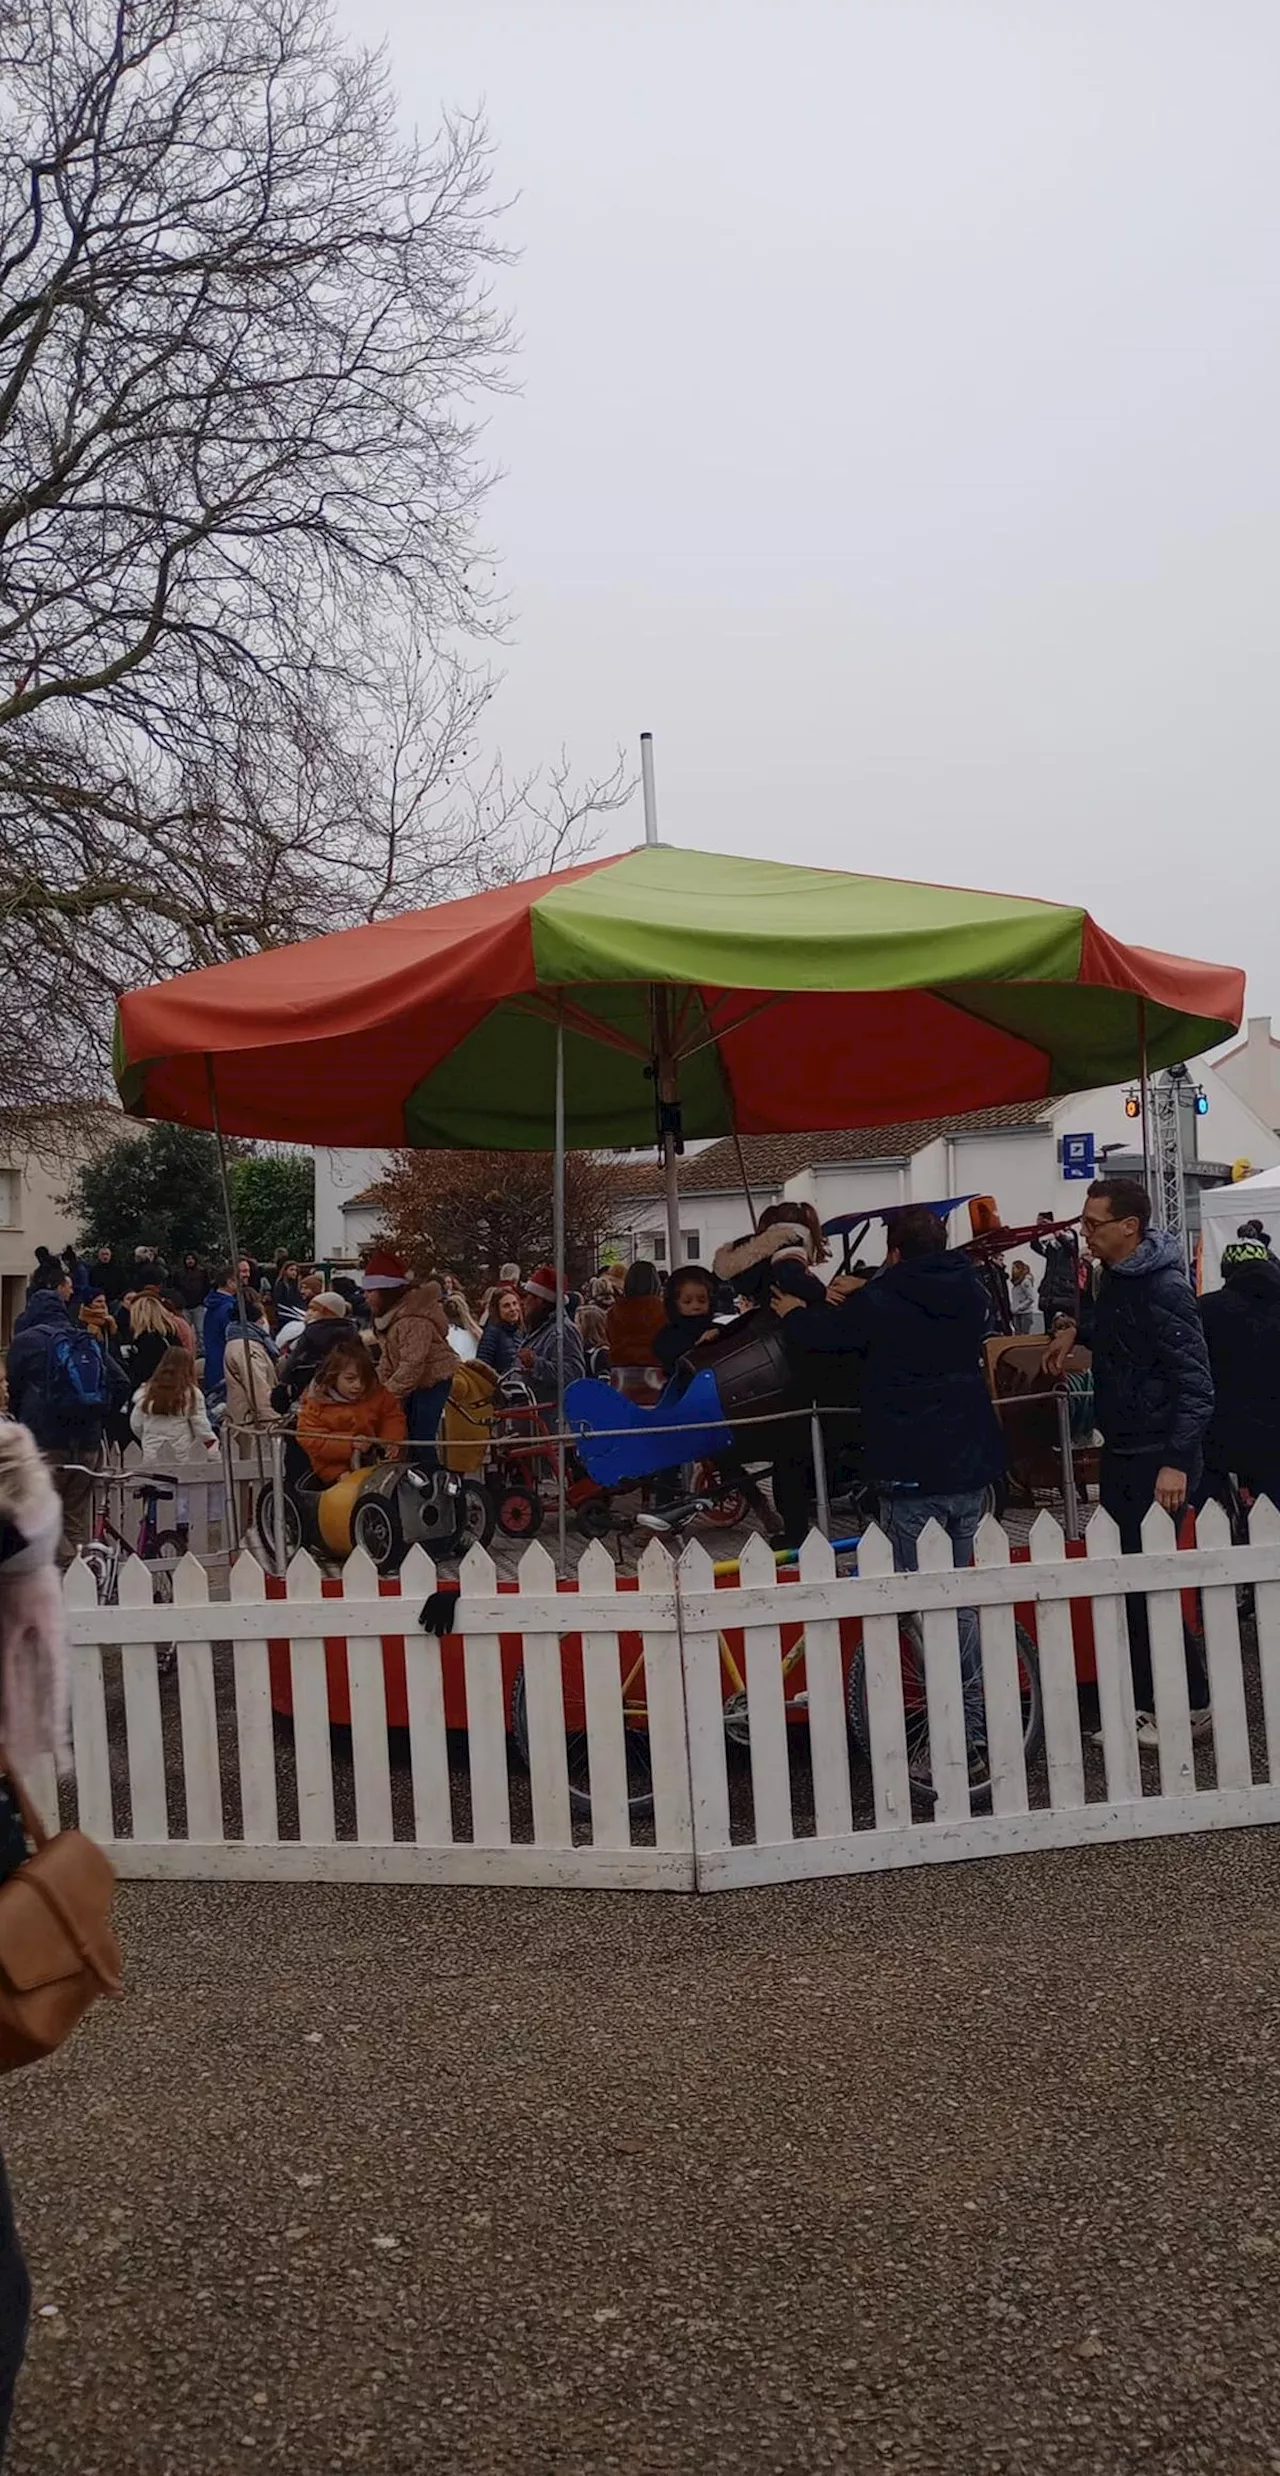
{"points": [[39, 1156], [345, 1219], [1014, 1153], [1252, 1070]]}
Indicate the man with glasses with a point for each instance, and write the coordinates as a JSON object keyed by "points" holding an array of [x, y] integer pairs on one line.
{"points": [[1153, 1396]]}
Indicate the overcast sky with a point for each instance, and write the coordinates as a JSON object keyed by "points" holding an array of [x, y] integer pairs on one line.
{"points": [[898, 435]]}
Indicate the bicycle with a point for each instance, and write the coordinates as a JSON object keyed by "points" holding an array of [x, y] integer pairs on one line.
{"points": [[162, 1550]]}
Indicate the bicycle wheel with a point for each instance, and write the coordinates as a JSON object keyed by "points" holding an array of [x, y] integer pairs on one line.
{"points": [[519, 1513], [639, 1767], [265, 1520], [915, 1709], [103, 1561], [168, 1556], [478, 1515]]}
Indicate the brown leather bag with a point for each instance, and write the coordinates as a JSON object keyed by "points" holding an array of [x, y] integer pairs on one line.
{"points": [[58, 1951]]}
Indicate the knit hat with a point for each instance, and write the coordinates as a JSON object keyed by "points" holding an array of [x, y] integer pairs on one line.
{"points": [[330, 1302], [1242, 1252], [543, 1284], [385, 1271]]}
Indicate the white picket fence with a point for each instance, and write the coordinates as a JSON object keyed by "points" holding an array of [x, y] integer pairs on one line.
{"points": [[192, 1773], [1067, 1796], [151, 1743]]}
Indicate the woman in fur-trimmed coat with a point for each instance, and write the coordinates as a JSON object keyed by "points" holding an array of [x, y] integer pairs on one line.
{"points": [[781, 1255], [34, 1693], [34, 1720]]}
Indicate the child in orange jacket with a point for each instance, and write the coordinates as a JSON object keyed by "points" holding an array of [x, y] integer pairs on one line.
{"points": [[345, 1400]]}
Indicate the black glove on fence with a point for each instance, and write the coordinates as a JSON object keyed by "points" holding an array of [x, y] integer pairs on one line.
{"points": [[439, 1613]]}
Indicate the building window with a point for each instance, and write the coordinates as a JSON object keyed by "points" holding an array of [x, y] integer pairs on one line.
{"points": [[650, 1246], [10, 1199]]}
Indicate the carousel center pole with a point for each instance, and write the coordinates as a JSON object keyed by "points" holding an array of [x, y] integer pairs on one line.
{"points": [[663, 1062]]}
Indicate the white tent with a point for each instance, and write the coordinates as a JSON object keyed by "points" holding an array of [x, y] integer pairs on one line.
{"points": [[1223, 1208]]}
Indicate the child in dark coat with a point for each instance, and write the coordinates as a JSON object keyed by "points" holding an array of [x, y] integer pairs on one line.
{"points": [[687, 1300]]}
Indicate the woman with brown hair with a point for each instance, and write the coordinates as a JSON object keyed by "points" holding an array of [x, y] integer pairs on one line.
{"points": [[345, 1409], [168, 1414]]}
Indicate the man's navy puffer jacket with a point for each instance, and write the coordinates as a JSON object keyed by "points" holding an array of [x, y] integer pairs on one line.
{"points": [[1152, 1389]]}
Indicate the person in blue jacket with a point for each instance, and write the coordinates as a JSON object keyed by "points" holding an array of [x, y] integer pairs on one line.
{"points": [[62, 1387], [503, 1337], [220, 1306], [1153, 1398]]}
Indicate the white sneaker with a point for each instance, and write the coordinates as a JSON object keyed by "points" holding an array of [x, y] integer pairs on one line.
{"points": [[1147, 1737]]}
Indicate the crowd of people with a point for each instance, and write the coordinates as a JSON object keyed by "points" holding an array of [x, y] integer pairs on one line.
{"points": [[111, 1348], [1187, 1392]]}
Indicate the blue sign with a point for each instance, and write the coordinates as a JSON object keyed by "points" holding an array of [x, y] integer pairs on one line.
{"points": [[1078, 1156]]}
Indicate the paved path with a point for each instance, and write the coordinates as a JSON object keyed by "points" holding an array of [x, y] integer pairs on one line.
{"points": [[972, 2170]]}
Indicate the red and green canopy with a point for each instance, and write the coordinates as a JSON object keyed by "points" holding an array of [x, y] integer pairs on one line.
{"points": [[794, 998]]}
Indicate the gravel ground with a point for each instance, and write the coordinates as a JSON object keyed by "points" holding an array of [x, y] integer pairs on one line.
{"points": [[964, 2171]]}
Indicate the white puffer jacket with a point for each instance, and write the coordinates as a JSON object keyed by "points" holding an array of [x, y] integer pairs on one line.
{"points": [[173, 1434]]}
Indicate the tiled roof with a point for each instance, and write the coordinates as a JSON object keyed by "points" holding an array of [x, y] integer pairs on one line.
{"points": [[772, 1159]]}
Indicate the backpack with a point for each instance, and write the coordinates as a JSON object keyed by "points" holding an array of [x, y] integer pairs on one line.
{"points": [[77, 1376]]}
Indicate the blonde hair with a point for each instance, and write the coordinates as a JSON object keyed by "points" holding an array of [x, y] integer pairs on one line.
{"points": [[147, 1315]]}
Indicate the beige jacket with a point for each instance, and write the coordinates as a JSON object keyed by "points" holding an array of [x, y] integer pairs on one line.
{"points": [[241, 1411], [413, 1343]]}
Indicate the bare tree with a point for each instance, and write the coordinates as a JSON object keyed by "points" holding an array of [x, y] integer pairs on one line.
{"points": [[243, 326]]}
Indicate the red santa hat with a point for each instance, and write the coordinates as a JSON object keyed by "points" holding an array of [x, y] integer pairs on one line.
{"points": [[385, 1271], [543, 1283]]}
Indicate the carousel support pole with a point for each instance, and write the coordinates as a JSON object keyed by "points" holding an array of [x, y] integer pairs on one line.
{"points": [[746, 1183], [671, 1181], [820, 1488], [664, 1064], [232, 1515], [1070, 1492], [276, 1447], [234, 1244], [667, 1090], [558, 1242]]}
